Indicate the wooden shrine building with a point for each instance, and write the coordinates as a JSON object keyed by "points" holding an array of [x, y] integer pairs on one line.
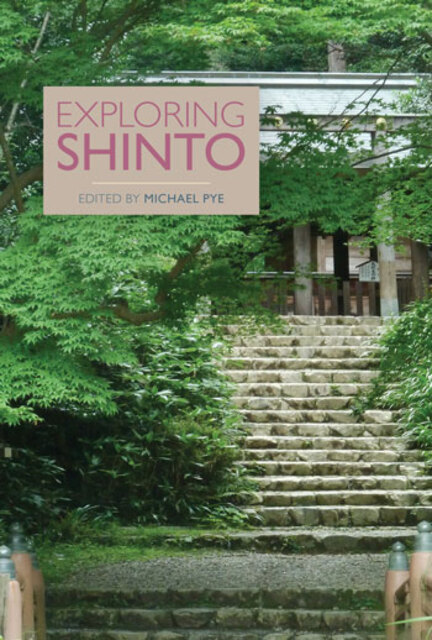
{"points": [[345, 280]]}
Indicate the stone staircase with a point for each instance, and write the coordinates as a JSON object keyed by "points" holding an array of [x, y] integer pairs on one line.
{"points": [[334, 491], [223, 597], [318, 463]]}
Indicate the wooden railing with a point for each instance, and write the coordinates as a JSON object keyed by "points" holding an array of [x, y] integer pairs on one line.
{"points": [[330, 296], [402, 611], [408, 589]]}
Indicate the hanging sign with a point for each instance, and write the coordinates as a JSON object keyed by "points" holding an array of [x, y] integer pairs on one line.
{"points": [[369, 271]]}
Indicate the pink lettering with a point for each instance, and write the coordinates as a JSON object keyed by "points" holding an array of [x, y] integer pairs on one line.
{"points": [[86, 113], [164, 162], [69, 152], [189, 137], [106, 112], [240, 118], [147, 124], [60, 114], [88, 151], [225, 167]]}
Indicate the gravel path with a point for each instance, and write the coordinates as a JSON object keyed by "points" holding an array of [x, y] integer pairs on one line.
{"points": [[239, 571]]}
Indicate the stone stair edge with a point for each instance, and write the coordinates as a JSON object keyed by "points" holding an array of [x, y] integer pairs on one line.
{"points": [[337, 516], [59, 634], [330, 319], [255, 598], [223, 618]]}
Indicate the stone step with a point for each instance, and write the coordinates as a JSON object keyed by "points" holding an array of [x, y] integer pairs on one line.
{"points": [[289, 540], [284, 594], [298, 389], [215, 619], [305, 352], [338, 516], [308, 375], [362, 331], [192, 634], [323, 443], [315, 540], [299, 320], [319, 429], [334, 468], [343, 483], [339, 498], [325, 455], [356, 331], [285, 404], [293, 340], [319, 416], [235, 332], [300, 363]]}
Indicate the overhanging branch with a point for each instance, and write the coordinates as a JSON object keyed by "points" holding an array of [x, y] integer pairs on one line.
{"points": [[34, 174], [124, 312]]}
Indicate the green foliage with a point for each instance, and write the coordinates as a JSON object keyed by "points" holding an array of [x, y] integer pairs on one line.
{"points": [[168, 454], [274, 35], [31, 489], [308, 177], [60, 326], [179, 472], [405, 380], [135, 414], [60, 559]]}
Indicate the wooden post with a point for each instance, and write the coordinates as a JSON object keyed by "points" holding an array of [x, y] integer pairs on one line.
{"points": [[388, 282], [335, 57], [24, 574], [397, 575], [302, 262], [321, 254], [420, 269], [420, 560], [386, 252], [10, 598], [341, 266], [337, 64]]}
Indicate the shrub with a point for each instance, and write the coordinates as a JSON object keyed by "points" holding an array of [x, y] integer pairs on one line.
{"points": [[31, 488], [405, 380], [167, 455]]}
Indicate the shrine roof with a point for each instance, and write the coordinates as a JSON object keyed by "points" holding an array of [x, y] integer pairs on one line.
{"points": [[315, 94]]}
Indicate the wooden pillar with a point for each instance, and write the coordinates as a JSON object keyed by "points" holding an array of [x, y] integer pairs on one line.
{"points": [[388, 283], [335, 57], [341, 264], [302, 262], [389, 303], [337, 64], [420, 269], [321, 254]]}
